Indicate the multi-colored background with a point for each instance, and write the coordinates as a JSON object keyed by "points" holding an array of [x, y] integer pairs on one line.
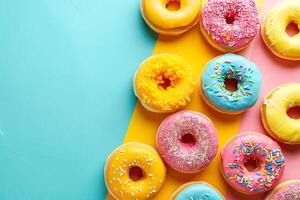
{"points": [[66, 98]]}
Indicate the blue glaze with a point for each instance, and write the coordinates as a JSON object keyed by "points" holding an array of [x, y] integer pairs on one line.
{"points": [[231, 66], [199, 191]]}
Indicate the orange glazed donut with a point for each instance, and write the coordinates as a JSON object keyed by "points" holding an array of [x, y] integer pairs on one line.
{"points": [[164, 83], [134, 171]]}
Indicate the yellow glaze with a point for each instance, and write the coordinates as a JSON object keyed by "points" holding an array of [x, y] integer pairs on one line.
{"points": [[274, 29], [155, 72], [167, 21], [118, 164], [274, 116]]}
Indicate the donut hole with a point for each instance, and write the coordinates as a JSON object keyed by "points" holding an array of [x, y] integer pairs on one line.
{"points": [[231, 84], [165, 79], [292, 29], [251, 164], [165, 83], [173, 5], [294, 112], [136, 173], [230, 18], [188, 139]]}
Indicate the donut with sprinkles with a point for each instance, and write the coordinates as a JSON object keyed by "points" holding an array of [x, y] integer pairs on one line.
{"points": [[287, 190], [230, 25], [134, 171], [187, 141], [230, 100], [268, 158]]}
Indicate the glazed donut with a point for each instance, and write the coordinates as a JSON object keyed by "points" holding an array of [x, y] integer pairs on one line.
{"points": [[274, 113], [230, 25], [288, 190], [164, 83], [187, 141], [274, 29], [134, 171], [267, 154], [166, 19], [230, 67], [196, 190]]}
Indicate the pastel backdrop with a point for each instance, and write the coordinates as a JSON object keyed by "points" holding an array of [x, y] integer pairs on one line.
{"points": [[65, 93], [66, 98]]}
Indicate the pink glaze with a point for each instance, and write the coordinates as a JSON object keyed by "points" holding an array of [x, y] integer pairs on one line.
{"points": [[231, 24], [256, 146], [187, 141], [291, 191]]}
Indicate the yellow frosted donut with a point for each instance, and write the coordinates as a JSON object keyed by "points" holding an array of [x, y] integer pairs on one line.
{"points": [[274, 113], [274, 29], [164, 83], [171, 17], [134, 171]]}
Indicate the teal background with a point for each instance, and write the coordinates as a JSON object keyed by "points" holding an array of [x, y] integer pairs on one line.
{"points": [[66, 97]]}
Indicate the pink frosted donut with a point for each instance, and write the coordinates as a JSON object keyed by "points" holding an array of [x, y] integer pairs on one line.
{"points": [[229, 25], [288, 190], [257, 147], [187, 141]]}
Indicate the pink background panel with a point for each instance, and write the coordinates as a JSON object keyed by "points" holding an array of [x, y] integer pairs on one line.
{"points": [[275, 72]]}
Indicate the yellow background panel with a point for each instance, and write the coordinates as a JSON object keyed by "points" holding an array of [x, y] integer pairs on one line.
{"points": [[143, 125]]}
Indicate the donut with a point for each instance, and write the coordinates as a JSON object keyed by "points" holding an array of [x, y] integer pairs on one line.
{"points": [[288, 190], [196, 190], [171, 17], [274, 113], [187, 141], [257, 147], [164, 83], [230, 67], [274, 29], [134, 171], [230, 25]]}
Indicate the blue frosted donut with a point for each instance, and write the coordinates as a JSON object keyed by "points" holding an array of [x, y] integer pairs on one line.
{"points": [[230, 67], [194, 190]]}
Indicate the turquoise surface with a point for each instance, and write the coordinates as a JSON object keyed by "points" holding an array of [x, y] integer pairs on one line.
{"points": [[199, 191], [66, 97], [231, 66]]}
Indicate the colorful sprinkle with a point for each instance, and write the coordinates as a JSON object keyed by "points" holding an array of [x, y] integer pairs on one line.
{"points": [[253, 146]]}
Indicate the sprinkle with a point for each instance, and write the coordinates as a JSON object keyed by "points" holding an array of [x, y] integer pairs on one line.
{"points": [[238, 34]]}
